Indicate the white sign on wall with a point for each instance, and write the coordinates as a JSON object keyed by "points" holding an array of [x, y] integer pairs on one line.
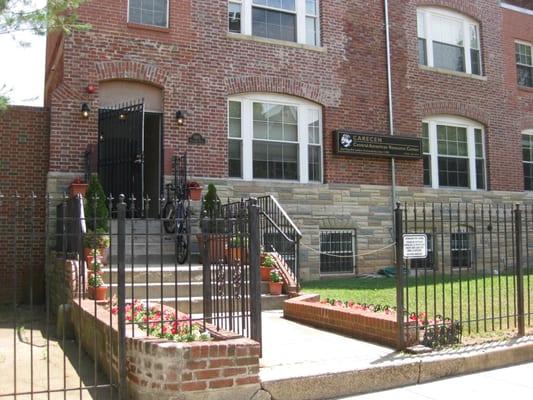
{"points": [[415, 246]]}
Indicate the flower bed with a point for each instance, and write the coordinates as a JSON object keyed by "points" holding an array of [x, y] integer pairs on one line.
{"points": [[163, 322], [368, 322]]}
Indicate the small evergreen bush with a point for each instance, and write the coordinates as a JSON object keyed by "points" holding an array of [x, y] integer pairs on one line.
{"points": [[96, 211]]}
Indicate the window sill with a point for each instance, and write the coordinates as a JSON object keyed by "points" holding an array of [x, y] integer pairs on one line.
{"points": [[452, 73], [148, 27], [273, 181], [455, 189], [240, 36], [525, 88]]}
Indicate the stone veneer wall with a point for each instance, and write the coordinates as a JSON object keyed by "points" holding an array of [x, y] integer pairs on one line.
{"points": [[364, 208]]}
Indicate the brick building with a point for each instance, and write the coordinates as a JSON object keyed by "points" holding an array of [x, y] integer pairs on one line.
{"points": [[268, 87]]}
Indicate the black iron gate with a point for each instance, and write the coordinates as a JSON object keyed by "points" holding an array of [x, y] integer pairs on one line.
{"points": [[121, 150]]}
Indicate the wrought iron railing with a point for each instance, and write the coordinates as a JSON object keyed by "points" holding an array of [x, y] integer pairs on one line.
{"points": [[278, 233]]}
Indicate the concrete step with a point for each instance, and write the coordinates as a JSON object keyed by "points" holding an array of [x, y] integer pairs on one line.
{"points": [[195, 306], [158, 291], [154, 272]]}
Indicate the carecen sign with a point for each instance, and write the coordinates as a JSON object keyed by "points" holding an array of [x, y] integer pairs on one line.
{"points": [[355, 143]]}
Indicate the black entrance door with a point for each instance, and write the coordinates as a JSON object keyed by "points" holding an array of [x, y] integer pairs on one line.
{"points": [[121, 151]]}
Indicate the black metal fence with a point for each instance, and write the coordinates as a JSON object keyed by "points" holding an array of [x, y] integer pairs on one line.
{"points": [[477, 276]]}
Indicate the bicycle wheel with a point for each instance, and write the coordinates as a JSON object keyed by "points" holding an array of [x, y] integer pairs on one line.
{"points": [[169, 217], [182, 243]]}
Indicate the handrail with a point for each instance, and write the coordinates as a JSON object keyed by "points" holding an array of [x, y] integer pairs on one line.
{"points": [[293, 225], [278, 228]]}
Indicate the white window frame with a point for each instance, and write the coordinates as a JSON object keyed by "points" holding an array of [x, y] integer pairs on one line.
{"points": [[247, 138], [427, 13], [471, 127], [530, 45], [157, 26], [527, 132], [300, 12]]}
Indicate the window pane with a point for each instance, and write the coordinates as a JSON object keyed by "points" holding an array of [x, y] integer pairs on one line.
{"points": [[460, 250], [310, 7], [527, 148], [234, 17], [315, 168], [273, 160], [525, 75], [337, 250], [148, 12], [422, 52], [427, 170], [235, 159], [475, 62], [273, 24], [284, 4], [453, 172], [446, 30], [480, 173], [313, 127], [448, 56], [234, 128], [275, 122], [421, 24], [474, 40], [310, 31], [478, 137], [235, 109], [528, 176]]}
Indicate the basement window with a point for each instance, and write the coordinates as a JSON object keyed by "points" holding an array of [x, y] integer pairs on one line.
{"points": [[337, 248]]}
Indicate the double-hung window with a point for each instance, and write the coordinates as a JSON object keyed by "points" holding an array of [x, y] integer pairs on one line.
{"points": [[454, 153], [448, 40], [148, 12], [527, 151], [524, 64], [287, 20], [274, 137]]}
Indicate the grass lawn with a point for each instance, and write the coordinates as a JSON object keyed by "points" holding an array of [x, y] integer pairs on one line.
{"points": [[482, 304]]}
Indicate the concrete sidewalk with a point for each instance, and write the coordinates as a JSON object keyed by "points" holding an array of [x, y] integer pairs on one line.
{"points": [[304, 363]]}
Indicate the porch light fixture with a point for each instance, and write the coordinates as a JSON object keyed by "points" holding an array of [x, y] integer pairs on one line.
{"points": [[85, 109], [180, 117]]}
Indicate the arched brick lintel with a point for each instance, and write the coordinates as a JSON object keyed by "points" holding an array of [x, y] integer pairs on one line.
{"points": [[467, 8], [458, 109], [132, 70], [251, 84]]}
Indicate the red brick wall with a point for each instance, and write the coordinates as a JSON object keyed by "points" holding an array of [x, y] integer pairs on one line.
{"points": [[198, 65], [23, 167], [518, 26]]}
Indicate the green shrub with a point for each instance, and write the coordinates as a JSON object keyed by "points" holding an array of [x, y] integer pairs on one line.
{"points": [[96, 211]]}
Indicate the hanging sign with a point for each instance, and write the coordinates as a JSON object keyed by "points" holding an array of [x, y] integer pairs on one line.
{"points": [[415, 246], [355, 143]]}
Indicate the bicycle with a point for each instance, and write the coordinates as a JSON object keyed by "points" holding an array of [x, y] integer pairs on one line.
{"points": [[175, 221]]}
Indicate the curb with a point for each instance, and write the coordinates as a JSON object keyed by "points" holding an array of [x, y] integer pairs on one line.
{"points": [[403, 370]]}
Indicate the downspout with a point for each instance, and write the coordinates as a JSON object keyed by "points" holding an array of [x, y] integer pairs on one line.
{"points": [[391, 110]]}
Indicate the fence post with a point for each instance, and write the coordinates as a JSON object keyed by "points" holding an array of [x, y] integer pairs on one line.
{"points": [[121, 281], [206, 269], [398, 225], [255, 279], [519, 271]]}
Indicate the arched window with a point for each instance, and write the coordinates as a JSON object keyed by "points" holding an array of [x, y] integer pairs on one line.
{"points": [[527, 154], [454, 153], [448, 40], [274, 137]]}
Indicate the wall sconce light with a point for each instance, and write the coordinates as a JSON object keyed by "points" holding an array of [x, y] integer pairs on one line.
{"points": [[122, 115], [85, 109], [180, 117]]}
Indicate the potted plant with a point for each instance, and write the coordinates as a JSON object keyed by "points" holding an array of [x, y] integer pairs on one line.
{"points": [[77, 186], [96, 207], [95, 268], [95, 244], [266, 267], [275, 284], [194, 190], [96, 290], [215, 226], [237, 249]]}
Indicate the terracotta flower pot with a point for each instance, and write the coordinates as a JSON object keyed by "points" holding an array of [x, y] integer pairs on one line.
{"points": [[275, 288], [97, 293], [77, 188], [235, 253], [265, 273], [195, 193]]}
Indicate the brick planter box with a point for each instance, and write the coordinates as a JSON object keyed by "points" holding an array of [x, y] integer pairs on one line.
{"points": [[374, 327], [162, 369]]}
